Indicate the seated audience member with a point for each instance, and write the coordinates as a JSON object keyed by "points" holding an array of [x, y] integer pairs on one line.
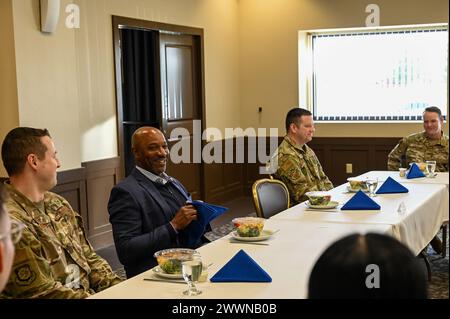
{"points": [[367, 266], [429, 145], [148, 209], [8, 236], [53, 258], [297, 164]]}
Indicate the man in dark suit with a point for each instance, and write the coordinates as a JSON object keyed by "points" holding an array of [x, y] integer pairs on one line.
{"points": [[148, 210]]}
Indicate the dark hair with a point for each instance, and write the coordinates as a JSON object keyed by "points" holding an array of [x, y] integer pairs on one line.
{"points": [[294, 115], [433, 109], [342, 270], [18, 144]]}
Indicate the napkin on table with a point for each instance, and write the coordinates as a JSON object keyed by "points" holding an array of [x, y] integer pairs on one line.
{"points": [[360, 201], [391, 186], [414, 172], [241, 268]]}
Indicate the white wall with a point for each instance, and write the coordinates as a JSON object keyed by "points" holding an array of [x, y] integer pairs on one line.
{"points": [[269, 54]]}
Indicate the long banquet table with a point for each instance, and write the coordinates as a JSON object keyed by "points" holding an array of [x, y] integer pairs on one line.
{"points": [[440, 178], [426, 208], [302, 237], [288, 259]]}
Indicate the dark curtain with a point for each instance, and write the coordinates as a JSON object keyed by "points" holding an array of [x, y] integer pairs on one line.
{"points": [[140, 70]]}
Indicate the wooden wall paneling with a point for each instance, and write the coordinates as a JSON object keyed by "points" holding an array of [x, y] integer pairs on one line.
{"points": [[214, 174], [380, 159], [72, 187], [101, 176], [232, 172], [188, 173], [340, 157], [369, 154]]}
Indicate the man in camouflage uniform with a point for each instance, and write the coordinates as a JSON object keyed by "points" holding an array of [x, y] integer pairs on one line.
{"points": [[297, 164], [53, 258], [429, 145]]}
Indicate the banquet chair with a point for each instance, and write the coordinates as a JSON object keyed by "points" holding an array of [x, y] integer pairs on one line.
{"points": [[270, 196], [444, 228], [424, 256]]}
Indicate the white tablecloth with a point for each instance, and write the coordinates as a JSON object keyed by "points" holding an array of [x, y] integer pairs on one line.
{"points": [[440, 178], [289, 258], [426, 209], [303, 236]]}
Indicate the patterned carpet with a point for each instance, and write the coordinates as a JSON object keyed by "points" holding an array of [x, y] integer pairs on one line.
{"points": [[438, 287]]}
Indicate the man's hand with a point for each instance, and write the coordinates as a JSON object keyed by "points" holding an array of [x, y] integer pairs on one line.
{"points": [[184, 217]]}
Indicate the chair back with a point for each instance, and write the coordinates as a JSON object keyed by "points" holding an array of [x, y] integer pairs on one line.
{"points": [[270, 196]]}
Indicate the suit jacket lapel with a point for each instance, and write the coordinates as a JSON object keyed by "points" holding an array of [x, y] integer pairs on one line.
{"points": [[148, 186]]}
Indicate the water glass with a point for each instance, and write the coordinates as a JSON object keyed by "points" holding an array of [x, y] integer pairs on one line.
{"points": [[431, 167], [192, 270], [372, 184]]}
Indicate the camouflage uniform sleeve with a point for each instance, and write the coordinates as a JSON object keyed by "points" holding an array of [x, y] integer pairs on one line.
{"points": [[293, 175], [101, 276], [31, 275], [395, 156]]}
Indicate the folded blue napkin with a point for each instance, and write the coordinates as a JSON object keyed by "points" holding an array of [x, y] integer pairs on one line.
{"points": [[361, 201], [205, 214], [241, 268], [391, 186], [414, 172]]}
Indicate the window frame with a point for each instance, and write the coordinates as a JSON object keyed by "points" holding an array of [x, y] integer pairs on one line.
{"points": [[306, 76]]}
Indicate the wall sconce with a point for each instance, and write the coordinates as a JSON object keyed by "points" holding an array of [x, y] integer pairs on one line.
{"points": [[49, 10]]}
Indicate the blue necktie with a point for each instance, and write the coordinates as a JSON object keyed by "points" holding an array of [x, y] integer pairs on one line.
{"points": [[180, 189]]}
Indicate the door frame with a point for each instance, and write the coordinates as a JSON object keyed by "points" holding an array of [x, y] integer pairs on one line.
{"points": [[119, 22]]}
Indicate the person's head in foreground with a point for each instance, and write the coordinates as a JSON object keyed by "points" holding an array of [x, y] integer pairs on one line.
{"points": [[6, 241], [367, 266]]}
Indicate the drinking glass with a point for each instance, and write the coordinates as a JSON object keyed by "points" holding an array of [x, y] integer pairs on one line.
{"points": [[192, 270], [431, 167], [372, 184]]}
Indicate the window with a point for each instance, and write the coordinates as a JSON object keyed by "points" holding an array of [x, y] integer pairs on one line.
{"points": [[382, 75]]}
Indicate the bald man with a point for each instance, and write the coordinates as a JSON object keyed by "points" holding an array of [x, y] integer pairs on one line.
{"points": [[148, 209]]}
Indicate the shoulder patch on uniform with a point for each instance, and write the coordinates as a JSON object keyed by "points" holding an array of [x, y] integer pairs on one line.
{"points": [[24, 275]]}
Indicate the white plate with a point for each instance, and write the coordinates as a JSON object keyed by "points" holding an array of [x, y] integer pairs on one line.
{"points": [[265, 234], [158, 271], [351, 190], [330, 205]]}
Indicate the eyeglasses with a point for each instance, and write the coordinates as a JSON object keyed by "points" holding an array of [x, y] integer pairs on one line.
{"points": [[15, 232]]}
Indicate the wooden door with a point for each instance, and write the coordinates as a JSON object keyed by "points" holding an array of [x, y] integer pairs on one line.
{"points": [[181, 89]]}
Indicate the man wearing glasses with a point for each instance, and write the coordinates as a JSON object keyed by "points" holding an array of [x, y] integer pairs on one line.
{"points": [[9, 235], [53, 259]]}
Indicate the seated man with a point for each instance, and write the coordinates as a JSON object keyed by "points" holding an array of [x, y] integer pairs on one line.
{"points": [[148, 209], [429, 145], [298, 166], [53, 258], [367, 266], [7, 238]]}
